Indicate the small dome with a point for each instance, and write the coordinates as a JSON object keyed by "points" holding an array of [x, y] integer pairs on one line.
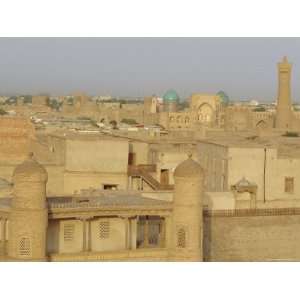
{"points": [[30, 170], [244, 183], [171, 96], [188, 168]]}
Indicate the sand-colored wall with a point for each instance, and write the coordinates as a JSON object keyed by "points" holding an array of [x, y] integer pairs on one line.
{"points": [[213, 159], [75, 181], [97, 155], [219, 200], [251, 162], [55, 184], [76, 244], [252, 238], [141, 151], [276, 170], [224, 166], [116, 238], [53, 237]]}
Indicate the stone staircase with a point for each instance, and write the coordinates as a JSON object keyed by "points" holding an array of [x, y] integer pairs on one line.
{"points": [[143, 171]]}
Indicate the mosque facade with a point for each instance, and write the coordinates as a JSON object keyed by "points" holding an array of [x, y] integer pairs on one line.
{"points": [[215, 111]]}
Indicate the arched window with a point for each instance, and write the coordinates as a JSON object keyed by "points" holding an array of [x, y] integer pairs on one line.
{"points": [[25, 247]]}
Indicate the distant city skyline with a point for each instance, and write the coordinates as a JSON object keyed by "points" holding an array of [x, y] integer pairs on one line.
{"points": [[244, 68]]}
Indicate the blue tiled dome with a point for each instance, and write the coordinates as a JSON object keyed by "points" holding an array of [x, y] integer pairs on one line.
{"points": [[171, 96]]}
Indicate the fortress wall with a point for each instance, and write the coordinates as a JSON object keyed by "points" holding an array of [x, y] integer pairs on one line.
{"points": [[252, 237]]}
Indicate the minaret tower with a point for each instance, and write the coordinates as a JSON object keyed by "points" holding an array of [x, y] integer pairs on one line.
{"points": [[283, 113], [187, 220], [29, 214]]}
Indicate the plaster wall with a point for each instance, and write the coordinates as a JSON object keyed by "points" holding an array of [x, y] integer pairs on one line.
{"points": [[214, 160], [97, 155], [116, 237], [76, 244], [141, 151]]}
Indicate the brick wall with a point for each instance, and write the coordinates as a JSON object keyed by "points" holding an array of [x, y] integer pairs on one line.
{"points": [[252, 235]]}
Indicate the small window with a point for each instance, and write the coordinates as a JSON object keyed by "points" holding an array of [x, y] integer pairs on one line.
{"points": [[113, 187], [24, 247], [181, 238], [104, 229], [289, 185], [69, 232]]}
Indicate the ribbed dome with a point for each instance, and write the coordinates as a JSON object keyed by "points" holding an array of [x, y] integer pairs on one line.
{"points": [[188, 168], [171, 96], [30, 170]]}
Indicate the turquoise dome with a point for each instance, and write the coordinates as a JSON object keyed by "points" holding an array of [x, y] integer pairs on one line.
{"points": [[224, 98], [171, 96]]}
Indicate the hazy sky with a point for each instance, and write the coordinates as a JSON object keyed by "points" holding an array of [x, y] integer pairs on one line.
{"points": [[245, 68]]}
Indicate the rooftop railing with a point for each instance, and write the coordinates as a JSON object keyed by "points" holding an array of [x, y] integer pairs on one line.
{"points": [[252, 212]]}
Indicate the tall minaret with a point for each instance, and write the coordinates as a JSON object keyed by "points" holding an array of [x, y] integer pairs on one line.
{"points": [[187, 225], [29, 214], [283, 113]]}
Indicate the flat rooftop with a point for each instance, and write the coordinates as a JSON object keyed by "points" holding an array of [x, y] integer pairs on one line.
{"points": [[100, 199], [70, 135], [286, 146]]}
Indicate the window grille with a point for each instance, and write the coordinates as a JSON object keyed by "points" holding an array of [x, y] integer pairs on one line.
{"points": [[69, 232], [181, 238], [104, 229], [24, 247]]}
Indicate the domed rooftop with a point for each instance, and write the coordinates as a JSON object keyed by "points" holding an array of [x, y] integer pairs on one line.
{"points": [[224, 97], [171, 96], [188, 168], [30, 170]]}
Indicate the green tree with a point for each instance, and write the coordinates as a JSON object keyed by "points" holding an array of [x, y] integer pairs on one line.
{"points": [[3, 112]]}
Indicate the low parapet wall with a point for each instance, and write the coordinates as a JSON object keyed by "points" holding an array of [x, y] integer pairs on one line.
{"points": [[124, 255]]}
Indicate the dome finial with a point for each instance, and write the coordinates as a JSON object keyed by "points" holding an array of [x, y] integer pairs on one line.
{"points": [[189, 154]]}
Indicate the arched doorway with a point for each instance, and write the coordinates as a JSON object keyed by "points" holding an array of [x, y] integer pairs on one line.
{"points": [[205, 113]]}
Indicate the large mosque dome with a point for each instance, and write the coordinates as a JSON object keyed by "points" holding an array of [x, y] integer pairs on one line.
{"points": [[171, 96]]}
